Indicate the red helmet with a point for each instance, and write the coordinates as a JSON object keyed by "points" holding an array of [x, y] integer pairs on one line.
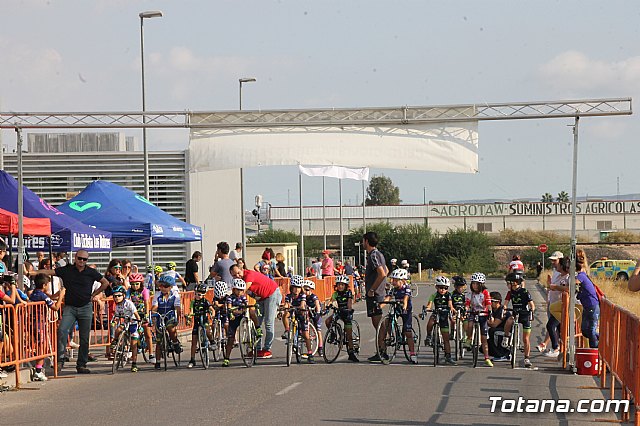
{"points": [[136, 278]]}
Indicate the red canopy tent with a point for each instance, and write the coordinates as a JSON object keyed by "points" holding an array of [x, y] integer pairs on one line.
{"points": [[30, 226]]}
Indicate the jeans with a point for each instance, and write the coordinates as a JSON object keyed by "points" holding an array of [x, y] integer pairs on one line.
{"points": [[268, 312], [589, 326], [553, 328], [84, 316]]}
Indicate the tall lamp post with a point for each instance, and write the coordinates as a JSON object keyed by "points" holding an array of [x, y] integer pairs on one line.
{"points": [[244, 226], [145, 15]]}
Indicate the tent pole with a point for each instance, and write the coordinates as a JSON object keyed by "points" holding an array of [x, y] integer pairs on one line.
{"points": [[202, 260], [572, 268], [341, 234], [364, 223], [302, 264], [20, 209], [50, 254], [324, 219], [151, 257], [10, 264]]}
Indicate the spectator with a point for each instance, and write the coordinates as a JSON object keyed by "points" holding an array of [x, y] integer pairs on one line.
{"points": [[191, 270], [405, 265], [496, 328], [40, 256], [394, 265], [268, 297], [559, 284], [3, 254], [281, 270], [126, 271], [266, 260], [237, 253], [317, 268], [348, 269], [60, 259], [327, 269], [538, 271], [374, 281], [114, 276], [9, 287], [78, 281], [589, 300], [339, 268], [552, 294], [515, 264], [221, 268], [241, 263]]}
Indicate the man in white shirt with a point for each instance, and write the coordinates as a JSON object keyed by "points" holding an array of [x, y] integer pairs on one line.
{"points": [[237, 253]]}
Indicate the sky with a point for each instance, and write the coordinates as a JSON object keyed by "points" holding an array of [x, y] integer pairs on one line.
{"points": [[78, 55]]}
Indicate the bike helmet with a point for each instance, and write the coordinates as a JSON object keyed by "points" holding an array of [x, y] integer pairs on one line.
{"points": [[158, 269], [344, 279], [9, 279], [26, 282], [442, 281], [149, 268], [309, 283], [297, 280], [239, 284], [167, 281], [459, 281], [220, 289], [171, 265], [136, 278], [201, 288], [404, 263], [514, 277], [478, 277], [118, 290], [400, 274], [290, 268], [394, 261]]}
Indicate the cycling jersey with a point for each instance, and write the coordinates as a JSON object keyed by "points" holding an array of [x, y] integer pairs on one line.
{"points": [[200, 307], [342, 297], [516, 265], [295, 301], [138, 298], [478, 302], [399, 294], [126, 309], [440, 301], [458, 300], [235, 301], [311, 302], [166, 303], [520, 299]]}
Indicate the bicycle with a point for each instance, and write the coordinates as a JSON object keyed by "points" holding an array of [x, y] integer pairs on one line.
{"points": [[122, 349], [219, 341], [295, 342], [335, 338], [459, 333], [203, 341], [391, 336], [164, 340], [514, 339], [414, 288], [436, 335], [247, 336], [476, 335]]}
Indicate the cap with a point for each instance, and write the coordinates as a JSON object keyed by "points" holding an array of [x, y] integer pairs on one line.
{"points": [[556, 255], [326, 252]]}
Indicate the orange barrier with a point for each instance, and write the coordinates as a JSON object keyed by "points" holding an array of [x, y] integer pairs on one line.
{"points": [[37, 334], [186, 297], [9, 344], [564, 329]]}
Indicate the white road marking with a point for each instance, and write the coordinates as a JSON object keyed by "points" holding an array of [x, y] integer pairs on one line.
{"points": [[372, 340], [359, 312], [289, 388]]}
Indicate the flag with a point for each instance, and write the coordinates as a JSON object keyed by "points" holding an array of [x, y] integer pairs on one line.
{"points": [[339, 172]]}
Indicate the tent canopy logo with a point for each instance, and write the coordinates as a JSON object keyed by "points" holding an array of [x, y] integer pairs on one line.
{"points": [[80, 205]]}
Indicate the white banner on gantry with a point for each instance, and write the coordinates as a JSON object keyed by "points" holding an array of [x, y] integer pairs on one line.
{"points": [[338, 172]]}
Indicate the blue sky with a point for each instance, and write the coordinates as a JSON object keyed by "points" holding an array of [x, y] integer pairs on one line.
{"points": [[73, 55]]}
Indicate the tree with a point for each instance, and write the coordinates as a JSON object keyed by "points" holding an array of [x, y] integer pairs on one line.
{"points": [[464, 251], [547, 198], [312, 246], [563, 197], [382, 192]]}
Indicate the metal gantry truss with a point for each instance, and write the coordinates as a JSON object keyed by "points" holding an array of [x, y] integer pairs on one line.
{"points": [[316, 117]]}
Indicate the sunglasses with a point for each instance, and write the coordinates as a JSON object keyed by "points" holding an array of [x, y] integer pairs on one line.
{"points": [[84, 259], [136, 282], [117, 267], [118, 295], [127, 267]]}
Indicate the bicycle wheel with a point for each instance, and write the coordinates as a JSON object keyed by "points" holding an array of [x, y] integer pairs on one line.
{"points": [[174, 354], [417, 338], [313, 338], [298, 344], [203, 346], [290, 343], [119, 352], [414, 289], [333, 339], [143, 347], [475, 343], [165, 349], [435, 341], [355, 336], [515, 334], [216, 346], [386, 339], [247, 342]]}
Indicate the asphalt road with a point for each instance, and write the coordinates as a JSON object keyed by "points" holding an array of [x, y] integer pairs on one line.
{"points": [[340, 393]]}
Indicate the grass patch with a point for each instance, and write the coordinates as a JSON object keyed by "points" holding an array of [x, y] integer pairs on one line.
{"points": [[617, 292]]}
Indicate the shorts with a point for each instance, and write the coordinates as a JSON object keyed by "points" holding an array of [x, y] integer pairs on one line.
{"points": [[373, 307], [443, 321], [407, 321], [196, 325], [317, 321], [303, 322], [346, 316], [233, 326], [133, 331], [524, 319], [484, 327]]}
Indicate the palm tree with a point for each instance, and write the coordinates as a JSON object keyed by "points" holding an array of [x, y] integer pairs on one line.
{"points": [[563, 197], [547, 198]]}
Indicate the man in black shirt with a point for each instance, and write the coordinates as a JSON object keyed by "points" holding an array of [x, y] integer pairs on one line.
{"points": [[78, 281], [191, 271], [374, 281]]}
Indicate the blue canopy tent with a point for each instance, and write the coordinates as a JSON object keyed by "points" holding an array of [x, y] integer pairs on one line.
{"points": [[131, 218], [68, 234]]}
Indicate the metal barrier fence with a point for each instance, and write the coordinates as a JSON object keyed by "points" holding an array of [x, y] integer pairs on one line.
{"points": [[8, 338]]}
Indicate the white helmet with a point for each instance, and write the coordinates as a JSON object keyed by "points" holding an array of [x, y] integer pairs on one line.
{"points": [[239, 284], [478, 277], [404, 263], [220, 289], [394, 261], [442, 281], [296, 280], [310, 284], [290, 268], [344, 279], [400, 274]]}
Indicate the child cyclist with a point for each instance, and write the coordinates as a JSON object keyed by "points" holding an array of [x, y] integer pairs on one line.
{"points": [[167, 304], [298, 299], [200, 309], [442, 306], [523, 306], [236, 304], [140, 297], [219, 303], [126, 309], [458, 298], [478, 302], [41, 282], [342, 299], [401, 292], [315, 309]]}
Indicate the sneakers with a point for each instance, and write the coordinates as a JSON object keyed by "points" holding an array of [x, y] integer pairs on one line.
{"points": [[413, 359], [91, 358], [505, 342], [304, 356], [320, 351], [134, 368], [353, 357], [156, 366], [310, 359], [427, 341], [552, 353], [82, 370], [225, 363], [4, 375], [449, 361], [284, 335], [152, 357], [374, 358], [527, 363], [385, 359], [259, 332], [266, 354], [39, 377], [73, 345], [488, 362], [192, 363], [466, 343], [541, 347], [502, 358]]}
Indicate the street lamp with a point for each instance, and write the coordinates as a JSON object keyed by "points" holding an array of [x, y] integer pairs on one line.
{"points": [[244, 230], [145, 155]]}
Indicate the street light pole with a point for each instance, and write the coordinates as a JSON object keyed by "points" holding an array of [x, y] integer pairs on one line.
{"points": [[244, 226], [145, 153]]}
